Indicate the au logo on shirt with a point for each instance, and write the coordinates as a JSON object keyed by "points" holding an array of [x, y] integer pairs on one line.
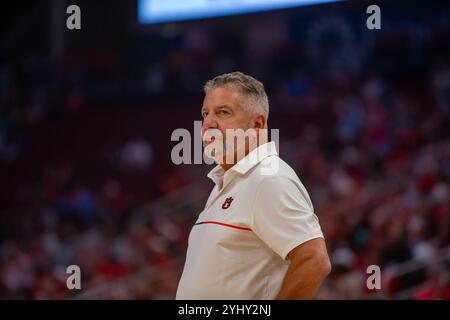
{"points": [[227, 203]]}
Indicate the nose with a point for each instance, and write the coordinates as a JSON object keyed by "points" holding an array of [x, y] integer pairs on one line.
{"points": [[209, 122]]}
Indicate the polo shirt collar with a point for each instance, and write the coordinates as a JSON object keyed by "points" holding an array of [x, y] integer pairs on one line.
{"points": [[254, 157], [245, 164]]}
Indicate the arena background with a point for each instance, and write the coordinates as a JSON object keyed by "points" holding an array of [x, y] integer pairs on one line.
{"points": [[86, 117]]}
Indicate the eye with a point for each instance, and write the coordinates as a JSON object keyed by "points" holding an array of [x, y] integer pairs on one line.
{"points": [[204, 114], [223, 112]]}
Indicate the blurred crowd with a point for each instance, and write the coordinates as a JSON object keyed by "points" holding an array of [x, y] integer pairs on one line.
{"points": [[366, 126], [382, 189]]}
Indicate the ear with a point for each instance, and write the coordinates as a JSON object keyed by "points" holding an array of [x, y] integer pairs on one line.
{"points": [[259, 122]]}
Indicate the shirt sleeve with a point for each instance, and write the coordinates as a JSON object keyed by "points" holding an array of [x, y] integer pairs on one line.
{"points": [[283, 215]]}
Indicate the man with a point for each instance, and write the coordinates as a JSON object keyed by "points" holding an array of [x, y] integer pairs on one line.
{"points": [[258, 237]]}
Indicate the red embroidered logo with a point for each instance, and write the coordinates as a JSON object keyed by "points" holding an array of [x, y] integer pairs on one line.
{"points": [[227, 203]]}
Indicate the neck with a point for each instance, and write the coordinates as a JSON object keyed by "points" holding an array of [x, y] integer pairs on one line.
{"points": [[227, 166]]}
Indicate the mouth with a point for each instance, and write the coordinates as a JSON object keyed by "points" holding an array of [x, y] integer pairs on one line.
{"points": [[207, 141]]}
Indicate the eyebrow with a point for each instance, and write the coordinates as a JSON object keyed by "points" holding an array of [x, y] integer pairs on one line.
{"points": [[218, 107]]}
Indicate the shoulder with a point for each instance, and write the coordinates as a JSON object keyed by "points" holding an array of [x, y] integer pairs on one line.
{"points": [[274, 178], [274, 171]]}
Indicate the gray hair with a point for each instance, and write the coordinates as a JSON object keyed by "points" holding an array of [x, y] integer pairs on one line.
{"points": [[246, 85]]}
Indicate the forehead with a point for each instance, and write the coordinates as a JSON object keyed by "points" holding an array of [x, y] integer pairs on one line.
{"points": [[222, 96]]}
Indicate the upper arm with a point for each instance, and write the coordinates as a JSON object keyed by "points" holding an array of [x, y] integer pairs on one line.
{"points": [[313, 251], [309, 266], [282, 217]]}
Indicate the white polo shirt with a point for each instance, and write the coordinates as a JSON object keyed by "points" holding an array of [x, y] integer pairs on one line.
{"points": [[256, 214]]}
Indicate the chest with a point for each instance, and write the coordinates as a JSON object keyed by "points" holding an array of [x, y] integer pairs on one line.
{"points": [[230, 207]]}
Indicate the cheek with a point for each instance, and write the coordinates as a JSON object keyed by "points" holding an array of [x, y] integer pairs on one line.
{"points": [[243, 122], [223, 126], [232, 123]]}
